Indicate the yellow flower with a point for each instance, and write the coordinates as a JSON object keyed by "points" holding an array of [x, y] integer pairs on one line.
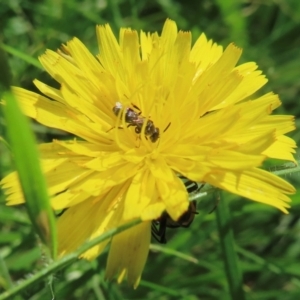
{"points": [[149, 108]]}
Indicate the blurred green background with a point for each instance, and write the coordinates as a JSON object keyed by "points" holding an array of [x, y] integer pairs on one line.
{"points": [[190, 266]]}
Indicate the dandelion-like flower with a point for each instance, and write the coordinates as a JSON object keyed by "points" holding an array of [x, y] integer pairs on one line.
{"points": [[147, 109]]}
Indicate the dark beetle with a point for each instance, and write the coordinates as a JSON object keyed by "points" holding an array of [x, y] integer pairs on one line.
{"points": [[159, 226]]}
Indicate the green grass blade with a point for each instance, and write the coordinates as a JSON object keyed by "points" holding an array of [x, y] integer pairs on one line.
{"points": [[231, 263], [33, 183], [15, 52]]}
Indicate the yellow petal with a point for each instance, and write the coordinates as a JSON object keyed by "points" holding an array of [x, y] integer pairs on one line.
{"points": [[128, 254], [255, 184]]}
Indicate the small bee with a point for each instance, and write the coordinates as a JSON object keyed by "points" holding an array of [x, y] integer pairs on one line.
{"points": [[159, 226], [134, 119], [131, 117]]}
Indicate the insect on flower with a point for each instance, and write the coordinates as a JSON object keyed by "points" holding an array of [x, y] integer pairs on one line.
{"points": [[159, 226], [134, 119], [104, 179]]}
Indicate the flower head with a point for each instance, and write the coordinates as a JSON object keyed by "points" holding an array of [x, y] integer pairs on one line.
{"points": [[147, 109]]}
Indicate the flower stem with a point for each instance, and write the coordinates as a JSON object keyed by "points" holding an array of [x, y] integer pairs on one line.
{"points": [[231, 262]]}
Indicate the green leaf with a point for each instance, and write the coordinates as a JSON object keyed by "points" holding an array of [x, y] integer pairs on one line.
{"points": [[32, 181]]}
